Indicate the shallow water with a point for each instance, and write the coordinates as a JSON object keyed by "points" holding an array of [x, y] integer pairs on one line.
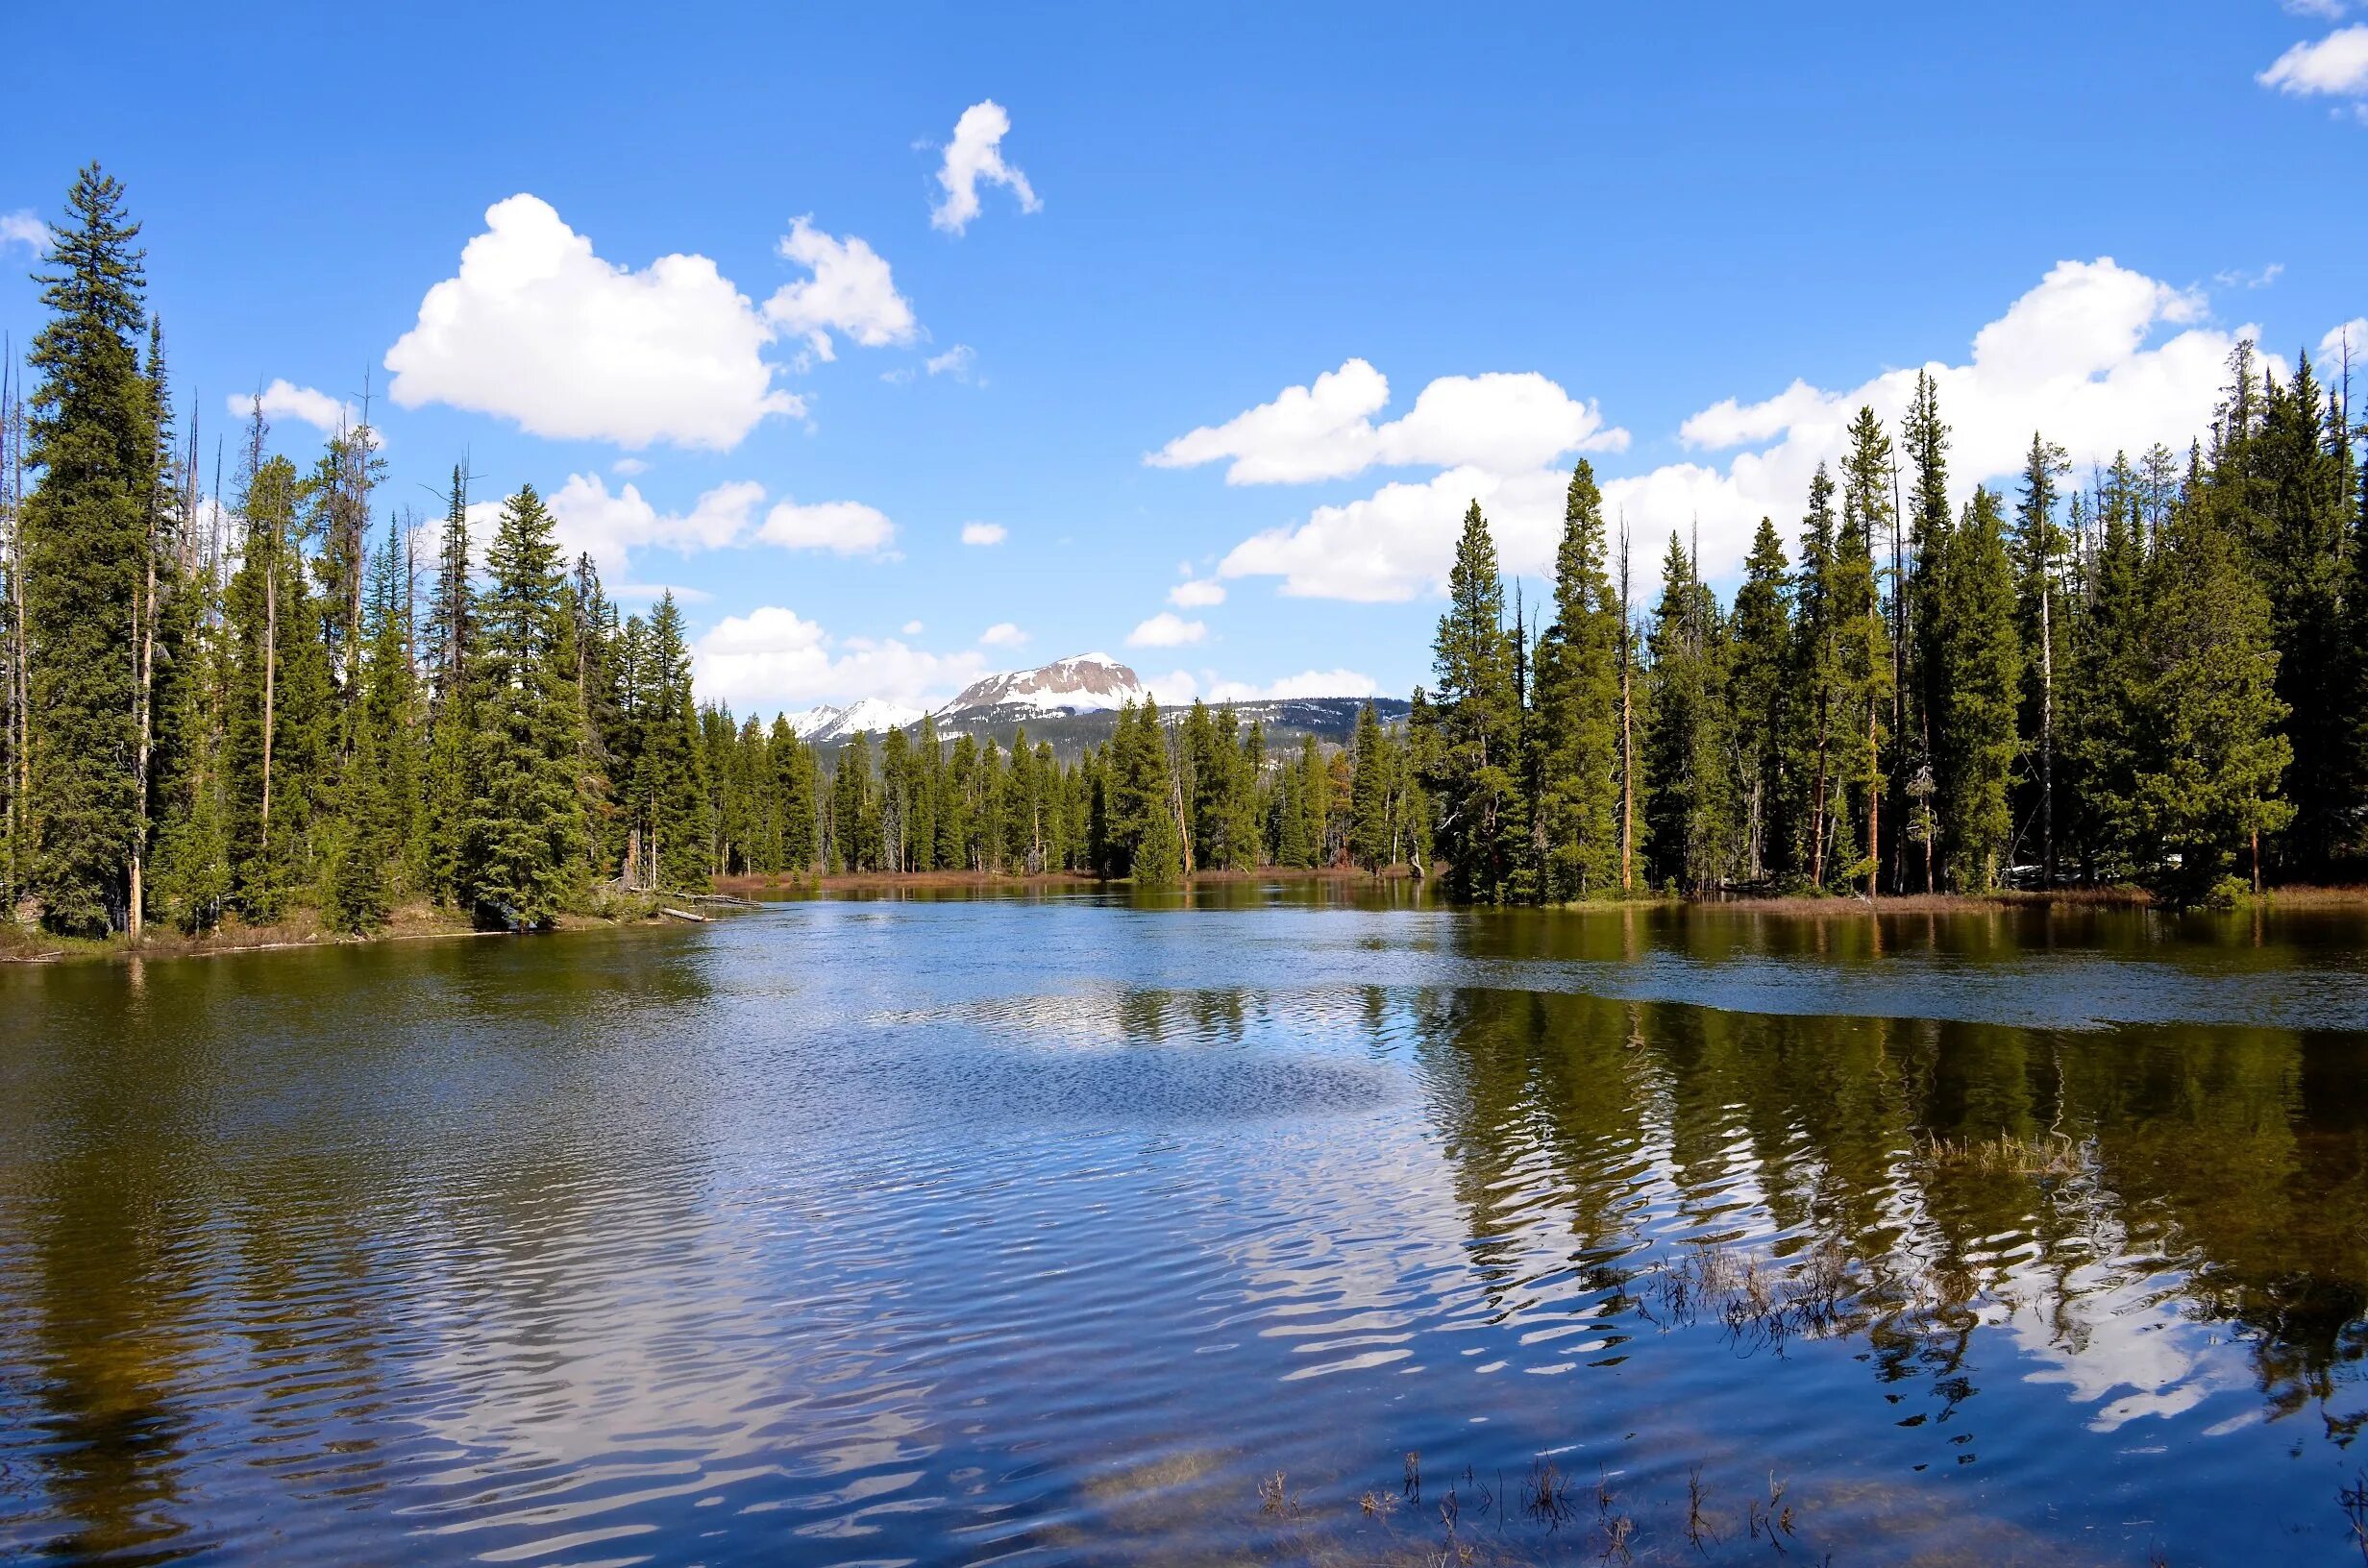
{"points": [[1052, 1229]]}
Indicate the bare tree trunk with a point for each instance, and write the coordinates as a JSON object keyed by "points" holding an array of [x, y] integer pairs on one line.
{"points": [[1627, 727], [1874, 807], [2047, 731]]}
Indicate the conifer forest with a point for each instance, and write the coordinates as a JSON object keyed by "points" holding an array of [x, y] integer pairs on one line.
{"points": [[238, 686]]}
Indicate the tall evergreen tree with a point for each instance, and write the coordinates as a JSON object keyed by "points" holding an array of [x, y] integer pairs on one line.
{"points": [[1760, 688], [1578, 706], [93, 443], [1480, 827], [1976, 681], [526, 824]]}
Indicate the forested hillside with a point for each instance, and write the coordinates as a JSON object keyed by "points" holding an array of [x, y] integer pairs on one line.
{"points": [[228, 702]]}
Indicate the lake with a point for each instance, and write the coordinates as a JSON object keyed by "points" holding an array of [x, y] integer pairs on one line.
{"points": [[1263, 1224]]}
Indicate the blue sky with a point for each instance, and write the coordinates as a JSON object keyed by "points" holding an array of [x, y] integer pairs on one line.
{"points": [[1478, 244]]}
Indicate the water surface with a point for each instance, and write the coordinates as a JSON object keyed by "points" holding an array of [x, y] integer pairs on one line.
{"points": [[1054, 1229]]}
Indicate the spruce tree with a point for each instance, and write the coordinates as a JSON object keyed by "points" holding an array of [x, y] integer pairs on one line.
{"points": [[1577, 706], [93, 443], [1480, 825], [1371, 786], [1761, 698], [526, 826], [1976, 681], [2208, 778], [2046, 633], [1690, 824]]}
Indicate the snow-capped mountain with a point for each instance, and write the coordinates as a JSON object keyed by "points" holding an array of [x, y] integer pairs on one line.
{"points": [[1083, 683], [872, 716]]}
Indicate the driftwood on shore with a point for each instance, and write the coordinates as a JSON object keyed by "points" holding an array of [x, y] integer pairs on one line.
{"points": [[681, 914]]}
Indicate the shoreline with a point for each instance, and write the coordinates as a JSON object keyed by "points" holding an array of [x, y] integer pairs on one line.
{"points": [[421, 922]]}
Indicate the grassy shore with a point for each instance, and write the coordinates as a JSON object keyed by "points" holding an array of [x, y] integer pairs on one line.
{"points": [[410, 922]]}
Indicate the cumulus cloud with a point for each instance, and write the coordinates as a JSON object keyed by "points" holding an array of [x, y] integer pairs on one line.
{"points": [[975, 154], [844, 528], [851, 293], [1166, 629], [984, 533], [1179, 687], [1306, 683], [1196, 594], [1002, 634], [2335, 65], [957, 362], [1327, 431], [536, 329], [2099, 356], [285, 400], [609, 527], [774, 659], [25, 228], [628, 467]]}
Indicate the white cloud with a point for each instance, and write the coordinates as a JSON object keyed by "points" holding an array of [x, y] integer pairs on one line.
{"points": [[2239, 278], [1002, 634], [1196, 594], [844, 528], [609, 527], [2325, 10], [285, 400], [774, 659], [25, 228], [975, 154], [2353, 333], [1177, 688], [628, 467], [1174, 690], [957, 362], [1166, 630], [538, 329], [851, 293], [2338, 65], [2083, 357], [1498, 421], [912, 629], [984, 533], [1306, 683]]}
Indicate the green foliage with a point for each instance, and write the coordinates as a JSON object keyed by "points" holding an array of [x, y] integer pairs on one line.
{"points": [[526, 824], [1480, 820], [1577, 707]]}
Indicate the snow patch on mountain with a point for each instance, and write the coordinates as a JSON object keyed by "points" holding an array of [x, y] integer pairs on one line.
{"points": [[873, 716], [1082, 683]]}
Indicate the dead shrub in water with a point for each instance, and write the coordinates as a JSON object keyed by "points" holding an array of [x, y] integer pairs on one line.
{"points": [[1760, 1301], [1276, 1499], [1547, 1494]]}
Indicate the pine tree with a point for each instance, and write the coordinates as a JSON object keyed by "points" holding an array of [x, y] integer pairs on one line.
{"points": [[671, 806], [2208, 778], [1975, 680], [2037, 547], [1856, 606], [1761, 644], [1479, 825], [1371, 790], [1823, 742], [93, 442], [451, 782], [526, 825], [1690, 823], [1578, 699], [2304, 569]]}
